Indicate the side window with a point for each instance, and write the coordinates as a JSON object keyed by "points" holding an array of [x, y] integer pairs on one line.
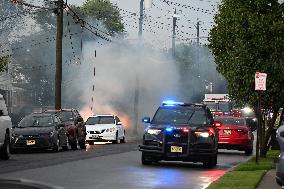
{"points": [[199, 117], [117, 119]]}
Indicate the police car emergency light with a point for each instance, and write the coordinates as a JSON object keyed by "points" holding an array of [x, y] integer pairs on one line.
{"points": [[171, 103]]}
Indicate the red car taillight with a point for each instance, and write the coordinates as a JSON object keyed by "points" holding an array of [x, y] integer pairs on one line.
{"points": [[242, 131]]}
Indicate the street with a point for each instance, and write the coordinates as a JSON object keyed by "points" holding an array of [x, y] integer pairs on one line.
{"points": [[113, 166]]}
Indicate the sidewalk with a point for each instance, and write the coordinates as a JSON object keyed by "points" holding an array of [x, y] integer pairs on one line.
{"points": [[268, 181]]}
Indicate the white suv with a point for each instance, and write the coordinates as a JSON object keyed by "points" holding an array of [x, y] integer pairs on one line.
{"points": [[104, 128], [5, 130]]}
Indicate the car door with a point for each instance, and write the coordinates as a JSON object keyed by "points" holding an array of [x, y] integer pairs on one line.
{"points": [[61, 132]]}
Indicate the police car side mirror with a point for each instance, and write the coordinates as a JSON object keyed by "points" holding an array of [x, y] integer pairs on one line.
{"points": [[146, 120]]}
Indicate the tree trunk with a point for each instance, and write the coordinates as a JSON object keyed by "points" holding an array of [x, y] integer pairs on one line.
{"points": [[265, 144]]}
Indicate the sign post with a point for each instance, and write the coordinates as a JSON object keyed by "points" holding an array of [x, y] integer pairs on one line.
{"points": [[260, 85]]}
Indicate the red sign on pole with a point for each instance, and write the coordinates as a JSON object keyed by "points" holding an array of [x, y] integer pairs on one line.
{"points": [[260, 81]]}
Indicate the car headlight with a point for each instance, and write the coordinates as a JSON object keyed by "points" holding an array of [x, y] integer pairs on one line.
{"points": [[153, 131], [202, 134], [113, 129]]}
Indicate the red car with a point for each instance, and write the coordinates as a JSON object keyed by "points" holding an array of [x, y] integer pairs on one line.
{"points": [[235, 134], [74, 123]]}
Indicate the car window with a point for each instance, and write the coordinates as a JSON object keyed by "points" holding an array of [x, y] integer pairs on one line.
{"points": [[65, 116], [117, 119], [36, 121], [198, 118], [100, 120], [231, 121]]}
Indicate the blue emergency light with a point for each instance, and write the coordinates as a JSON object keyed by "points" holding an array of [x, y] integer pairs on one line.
{"points": [[171, 103], [169, 129]]}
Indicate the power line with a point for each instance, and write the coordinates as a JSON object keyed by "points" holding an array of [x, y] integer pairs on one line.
{"points": [[187, 7], [21, 2]]}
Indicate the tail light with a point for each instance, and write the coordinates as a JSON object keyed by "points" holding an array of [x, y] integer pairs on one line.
{"points": [[242, 131], [185, 130]]}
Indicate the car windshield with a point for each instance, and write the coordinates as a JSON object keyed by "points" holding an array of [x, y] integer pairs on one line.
{"points": [[36, 121], [224, 106], [219, 106], [100, 120], [65, 116], [179, 115], [231, 121], [212, 106]]}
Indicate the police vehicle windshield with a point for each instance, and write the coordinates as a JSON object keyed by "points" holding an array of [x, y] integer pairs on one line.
{"points": [[179, 115]]}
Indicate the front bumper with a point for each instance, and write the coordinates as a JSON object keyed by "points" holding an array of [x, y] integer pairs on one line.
{"points": [[192, 150], [42, 142], [101, 137]]}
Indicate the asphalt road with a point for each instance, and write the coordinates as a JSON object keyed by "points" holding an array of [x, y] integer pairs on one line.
{"points": [[114, 166]]}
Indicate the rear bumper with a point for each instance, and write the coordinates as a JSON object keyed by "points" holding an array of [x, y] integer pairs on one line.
{"points": [[234, 144]]}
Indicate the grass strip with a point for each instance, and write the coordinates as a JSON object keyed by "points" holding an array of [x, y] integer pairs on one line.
{"points": [[248, 174]]}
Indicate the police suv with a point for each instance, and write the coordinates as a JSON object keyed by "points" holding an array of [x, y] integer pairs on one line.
{"points": [[181, 132]]}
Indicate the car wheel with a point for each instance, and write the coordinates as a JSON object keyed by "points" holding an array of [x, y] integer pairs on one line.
{"points": [[145, 159], [66, 147], [248, 151], [82, 144], [5, 149], [56, 146], [116, 141], [74, 144], [210, 163], [123, 140]]}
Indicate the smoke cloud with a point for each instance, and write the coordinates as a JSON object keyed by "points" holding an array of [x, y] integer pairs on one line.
{"points": [[123, 70]]}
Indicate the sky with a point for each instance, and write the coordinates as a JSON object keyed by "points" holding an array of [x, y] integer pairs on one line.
{"points": [[158, 20]]}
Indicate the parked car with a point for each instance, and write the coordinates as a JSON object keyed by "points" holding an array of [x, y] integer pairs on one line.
{"points": [[180, 132], [74, 123], [5, 130], [39, 131], [105, 128], [235, 134], [280, 161]]}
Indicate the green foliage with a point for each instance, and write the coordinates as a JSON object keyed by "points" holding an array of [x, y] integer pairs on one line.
{"points": [[106, 12], [239, 180], [247, 174], [249, 36], [4, 63]]}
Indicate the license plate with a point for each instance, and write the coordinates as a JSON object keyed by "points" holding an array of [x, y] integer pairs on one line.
{"points": [[227, 132], [95, 136], [176, 149], [30, 142]]}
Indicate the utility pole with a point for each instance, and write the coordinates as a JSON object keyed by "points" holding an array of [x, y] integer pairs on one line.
{"points": [[58, 72], [174, 32], [141, 18], [197, 34]]}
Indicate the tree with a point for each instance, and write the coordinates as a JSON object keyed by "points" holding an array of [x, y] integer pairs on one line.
{"points": [[3, 63], [105, 12], [197, 70], [248, 37]]}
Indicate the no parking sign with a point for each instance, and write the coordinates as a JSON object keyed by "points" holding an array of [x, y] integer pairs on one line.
{"points": [[260, 81]]}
